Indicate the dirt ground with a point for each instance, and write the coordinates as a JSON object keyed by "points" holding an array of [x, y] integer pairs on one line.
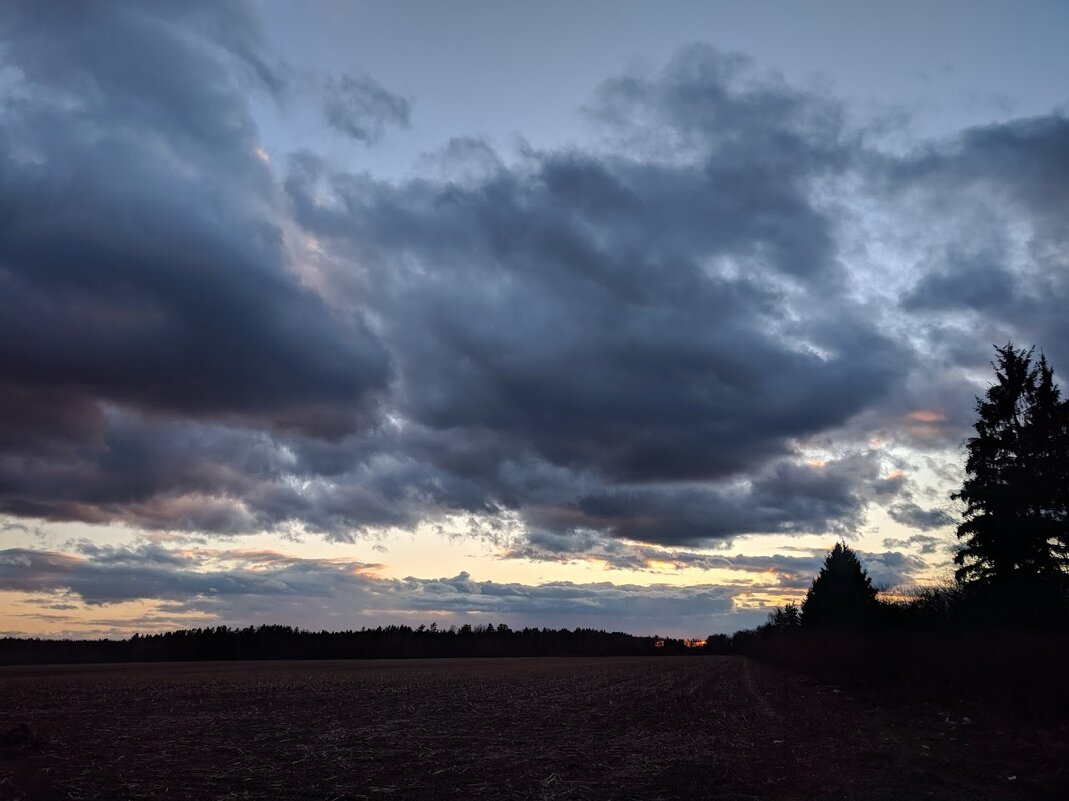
{"points": [[609, 728]]}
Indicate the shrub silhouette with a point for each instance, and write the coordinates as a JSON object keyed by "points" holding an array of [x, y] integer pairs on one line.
{"points": [[842, 595], [788, 616]]}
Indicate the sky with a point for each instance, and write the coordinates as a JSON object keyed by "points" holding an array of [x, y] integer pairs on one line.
{"points": [[613, 315]]}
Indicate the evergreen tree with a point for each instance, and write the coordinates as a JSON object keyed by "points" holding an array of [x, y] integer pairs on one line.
{"points": [[1047, 448], [1014, 529], [785, 617], [842, 595]]}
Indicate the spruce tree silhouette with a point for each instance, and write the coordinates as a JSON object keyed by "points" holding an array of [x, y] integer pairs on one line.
{"points": [[842, 595], [1016, 491]]}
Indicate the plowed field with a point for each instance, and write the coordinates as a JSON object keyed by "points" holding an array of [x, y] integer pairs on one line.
{"points": [[626, 728]]}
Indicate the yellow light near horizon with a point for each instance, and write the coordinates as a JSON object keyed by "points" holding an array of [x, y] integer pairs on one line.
{"points": [[927, 416], [766, 600], [35, 614]]}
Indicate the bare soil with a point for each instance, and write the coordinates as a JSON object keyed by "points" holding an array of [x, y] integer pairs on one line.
{"points": [[598, 728]]}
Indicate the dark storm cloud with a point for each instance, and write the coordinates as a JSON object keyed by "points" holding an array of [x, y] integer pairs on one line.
{"points": [[981, 283], [914, 516], [756, 141], [195, 476], [557, 326], [142, 258], [1000, 192], [1024, 161], [788, 498], [631, 342], [361, 108], [589, 320], [113, 575], [614, 315]]}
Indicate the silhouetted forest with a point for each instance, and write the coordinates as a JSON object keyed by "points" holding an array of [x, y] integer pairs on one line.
{"points": [[384, 642], [999, 633], [952, 644]]}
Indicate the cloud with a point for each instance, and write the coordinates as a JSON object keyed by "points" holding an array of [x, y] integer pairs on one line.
{"points": [[237, 586], [789, 497], [923, 543], [113, 581], [144, 273], [777, 574], [784, 570], [998, 253], [559, 334], [910, 514], [143, 260], [360, 108], [615, 324], [980, 283], [892, 568], [584, 350]]}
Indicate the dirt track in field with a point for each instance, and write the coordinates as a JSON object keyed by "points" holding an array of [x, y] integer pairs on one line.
{"points": [[624, 728]]}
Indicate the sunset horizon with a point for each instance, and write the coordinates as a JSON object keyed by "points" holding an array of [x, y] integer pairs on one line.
{"points": [[588, 315]]}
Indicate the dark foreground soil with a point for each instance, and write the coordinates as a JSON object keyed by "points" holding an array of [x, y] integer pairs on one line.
{"points": [[624, 728]]}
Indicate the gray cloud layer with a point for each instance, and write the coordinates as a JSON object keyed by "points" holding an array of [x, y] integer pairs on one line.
{"points": [[362, 109], [628, 341], [257, 585], [241, 586], [142, 257]]}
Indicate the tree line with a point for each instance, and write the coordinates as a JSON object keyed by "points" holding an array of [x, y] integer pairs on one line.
{"points": [[382, 642]]}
